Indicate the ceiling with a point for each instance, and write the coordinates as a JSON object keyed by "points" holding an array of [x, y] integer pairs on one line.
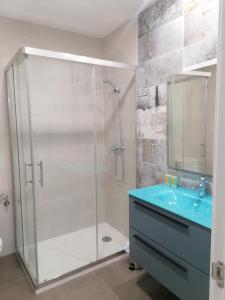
{"points": [[96, 18]]}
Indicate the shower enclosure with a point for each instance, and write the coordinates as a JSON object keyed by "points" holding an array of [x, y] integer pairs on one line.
{"points": [[72, 123]]}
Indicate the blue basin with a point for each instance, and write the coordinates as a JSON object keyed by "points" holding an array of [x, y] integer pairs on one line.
{"points": [[181, 201]]}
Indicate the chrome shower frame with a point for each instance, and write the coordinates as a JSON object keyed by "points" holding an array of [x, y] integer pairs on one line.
{"points": [[22, 52]]}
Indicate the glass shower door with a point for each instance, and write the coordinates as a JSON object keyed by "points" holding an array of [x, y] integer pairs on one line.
{"points": [[115, 106], [25, 161], [61, 97]]}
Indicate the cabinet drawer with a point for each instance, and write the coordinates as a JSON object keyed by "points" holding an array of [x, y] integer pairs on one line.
{"points": [[185, 281], [185, 239]]}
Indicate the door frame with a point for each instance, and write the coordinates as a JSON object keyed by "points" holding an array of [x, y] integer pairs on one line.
{"points": [[218, 221]]}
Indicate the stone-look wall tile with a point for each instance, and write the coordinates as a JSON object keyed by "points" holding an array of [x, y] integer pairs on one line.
{"points": [[140, 79], [142, 102], [139, 150], [149, 101], [158, 69], [149, 174], [152, 123], [201, 31], [163, 40], [154, 152], [200, 24], [159, 174], [148, 150], [145, 174], [159, 13], [195, 42], [188, 182], [160, 154], [162, 95], [200, 52], [139, 134], [204, 5]]}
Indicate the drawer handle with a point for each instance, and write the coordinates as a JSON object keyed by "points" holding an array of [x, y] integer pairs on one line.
{"points": [[162, 214], [182, 268]]}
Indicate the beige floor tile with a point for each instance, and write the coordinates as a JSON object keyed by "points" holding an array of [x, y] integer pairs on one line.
{"points": [[20, 290], [113, 282], [10, 270], [73, 287], [97, 291], [118, 273]]}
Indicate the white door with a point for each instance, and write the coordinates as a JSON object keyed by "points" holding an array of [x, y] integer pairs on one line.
{"points": [[218, 232]]}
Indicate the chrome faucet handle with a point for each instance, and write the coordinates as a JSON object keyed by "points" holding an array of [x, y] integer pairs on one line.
{"points": [[115, 147], [202, 180], [202, 187], [118, 147]]}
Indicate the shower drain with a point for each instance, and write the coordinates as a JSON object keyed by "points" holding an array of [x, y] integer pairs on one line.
{"points": [[106, 239]]}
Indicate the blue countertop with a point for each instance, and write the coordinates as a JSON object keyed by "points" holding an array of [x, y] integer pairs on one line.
{"points": [[180, 201]]}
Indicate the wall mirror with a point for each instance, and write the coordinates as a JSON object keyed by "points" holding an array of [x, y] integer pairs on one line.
{"points": [[191, 110]]}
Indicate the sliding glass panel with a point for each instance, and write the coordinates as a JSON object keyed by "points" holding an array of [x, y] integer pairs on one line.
{"points": [[64, 158], [26, 167], [115, 155], [15, 162]]}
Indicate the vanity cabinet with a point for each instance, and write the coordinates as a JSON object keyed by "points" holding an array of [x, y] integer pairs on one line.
{"points": [[172, 249]]}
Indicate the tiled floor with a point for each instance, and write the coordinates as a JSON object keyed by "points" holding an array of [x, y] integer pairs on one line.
{"points": [[113, 282]]}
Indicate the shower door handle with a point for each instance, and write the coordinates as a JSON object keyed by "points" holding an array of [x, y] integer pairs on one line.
{"points": [[41, 179], [25, 169]]}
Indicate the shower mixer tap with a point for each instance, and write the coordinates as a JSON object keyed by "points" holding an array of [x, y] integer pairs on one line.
{"points": [[118, 150], [118, 147]]}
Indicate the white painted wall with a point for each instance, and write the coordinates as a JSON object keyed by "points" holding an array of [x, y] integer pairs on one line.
{"points": [[14, 34], [122, 44]]}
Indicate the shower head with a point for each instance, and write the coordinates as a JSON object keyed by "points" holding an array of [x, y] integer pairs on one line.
{"points": [[115, 89]]}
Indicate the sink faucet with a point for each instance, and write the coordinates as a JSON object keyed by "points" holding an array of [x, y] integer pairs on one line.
{"points": [[202, 187]]}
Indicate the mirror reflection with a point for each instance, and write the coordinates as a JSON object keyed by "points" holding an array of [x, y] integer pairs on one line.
{"points": [[191, 109]]}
